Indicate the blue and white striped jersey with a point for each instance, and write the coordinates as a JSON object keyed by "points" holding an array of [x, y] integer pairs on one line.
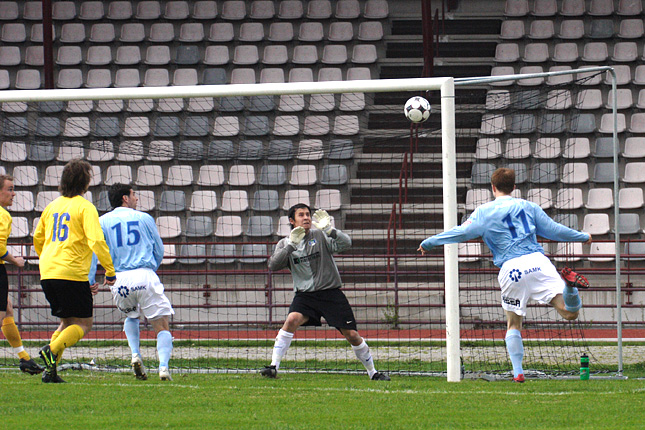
{"points": [[509, 227], [133, 239]]}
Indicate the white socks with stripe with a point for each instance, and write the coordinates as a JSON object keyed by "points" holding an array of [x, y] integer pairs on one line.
{"points": [[363, 353], [282, 342]]}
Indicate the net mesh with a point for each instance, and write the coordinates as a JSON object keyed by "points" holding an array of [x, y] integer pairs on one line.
{"points": [[219, 174]]}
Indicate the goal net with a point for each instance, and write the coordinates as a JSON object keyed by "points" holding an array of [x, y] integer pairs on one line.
{"points": [[219, 166]]}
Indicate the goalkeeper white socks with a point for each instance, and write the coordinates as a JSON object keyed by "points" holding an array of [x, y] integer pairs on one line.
{"points": [[164, 347], [363, 353], [282, 342], [515, 350], [572, 301], [131, 329]]}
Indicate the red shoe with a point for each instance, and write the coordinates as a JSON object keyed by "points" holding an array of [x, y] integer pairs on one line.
{"points": [[574, 279], [519, 378]]}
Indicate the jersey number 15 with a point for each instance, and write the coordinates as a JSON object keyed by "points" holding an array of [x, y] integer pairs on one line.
{"points": [[133, 233]]}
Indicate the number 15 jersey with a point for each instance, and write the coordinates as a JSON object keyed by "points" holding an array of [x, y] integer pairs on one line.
{"points": [[67, 234], [133, 239], [509, 227]]}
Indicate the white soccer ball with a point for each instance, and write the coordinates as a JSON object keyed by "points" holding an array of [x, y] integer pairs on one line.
{"points": [[417, 109]]}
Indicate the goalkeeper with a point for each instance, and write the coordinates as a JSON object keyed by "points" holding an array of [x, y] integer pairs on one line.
{"points": [[509, 227], [308, 254]]}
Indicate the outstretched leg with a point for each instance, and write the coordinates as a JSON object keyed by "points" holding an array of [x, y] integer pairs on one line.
{"points": [[362, 351]]}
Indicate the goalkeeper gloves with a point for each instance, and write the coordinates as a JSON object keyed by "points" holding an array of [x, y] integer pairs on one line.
{"points": [[296, 236], [322, 221]]}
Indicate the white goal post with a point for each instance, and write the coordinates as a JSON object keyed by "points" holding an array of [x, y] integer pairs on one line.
{"points": [[444, 85]]}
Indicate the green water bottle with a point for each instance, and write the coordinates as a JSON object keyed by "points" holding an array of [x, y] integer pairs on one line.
{"points": [[584, 367]]}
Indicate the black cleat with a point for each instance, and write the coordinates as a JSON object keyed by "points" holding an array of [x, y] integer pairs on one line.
{"points": [[30, 367], [378, 376], [269, 372], [49, 358], [52, 378]]}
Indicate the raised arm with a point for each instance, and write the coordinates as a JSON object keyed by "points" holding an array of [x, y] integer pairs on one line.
{"points": [[280, 258]]}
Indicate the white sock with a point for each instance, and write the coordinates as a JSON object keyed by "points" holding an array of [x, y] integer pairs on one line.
{"points": [[363, 353], [282, 342]]}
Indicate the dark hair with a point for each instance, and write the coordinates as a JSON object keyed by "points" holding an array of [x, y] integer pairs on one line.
{"points": [[116, 194], [76, 178], [5, 178], [504, 180], [294, 208]]}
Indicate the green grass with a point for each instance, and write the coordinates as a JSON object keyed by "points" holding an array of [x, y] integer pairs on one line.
{"points": [[320, 401]]}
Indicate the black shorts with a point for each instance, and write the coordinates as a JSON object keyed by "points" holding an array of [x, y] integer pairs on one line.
{"points": [[68, 298], [4, 288], [330, 304]]}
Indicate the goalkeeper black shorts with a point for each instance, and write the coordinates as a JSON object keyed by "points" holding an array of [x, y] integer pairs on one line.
{"points": [[329, 304], [4, 288]]}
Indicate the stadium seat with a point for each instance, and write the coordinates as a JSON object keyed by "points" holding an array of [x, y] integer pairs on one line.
{"points": [[199, 226], [250, 150], [204, 9], [635, 251], [575, 173], [595, 52], [100, 150], [192, 253], [566, 52], [222, 253], [43, 198], [149, 175], [634, 173], [234, 201], [625, 52], [516, 8], [280, 32], [169, 253], [628, 223], [571, 29], [221, 32], [179, 176], [547, 148], [544, 173], [603, 252], [241, 175], [63, 10], [172, 201], [517, 148], [260, 226], [253, 253], [292, 197], [542, 197], [601, 8], [629, 8], [316, 125], [568, 199], [211, 175], [290, 9], [23, 202], [583, 123], [328, 199], [228, 226], [634, 147], [233, 10], [319, 10], [102, 33], [600, 199], [476, 197], [370, 31], [146, 200], [303, 175], [130, 151], [41, 151], [203, 201], [25, 176], [272, 175], [262, 9], [280, 149], [118, 174], [596, 223], [631, 29], [265, 200], [14, 152], [601, 29]]}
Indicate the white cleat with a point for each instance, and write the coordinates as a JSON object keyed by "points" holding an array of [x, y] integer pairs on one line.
{"points": [[164, 374], [138, 368]]}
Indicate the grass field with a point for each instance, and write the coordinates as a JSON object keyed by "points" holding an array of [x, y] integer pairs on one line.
{"points": [[321, 401]]}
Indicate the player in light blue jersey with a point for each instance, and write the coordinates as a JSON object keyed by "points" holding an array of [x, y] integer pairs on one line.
{"points": [[510, 227], [137, 250]]}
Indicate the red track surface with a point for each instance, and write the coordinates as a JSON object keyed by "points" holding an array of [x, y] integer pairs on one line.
{"points": [[369, 334]]}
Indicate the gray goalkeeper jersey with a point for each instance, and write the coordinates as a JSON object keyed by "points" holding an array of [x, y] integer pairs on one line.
{"points": [[312, 263]]}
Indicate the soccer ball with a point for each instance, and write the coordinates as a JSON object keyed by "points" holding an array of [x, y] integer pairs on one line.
{"points": [[417, 109]]}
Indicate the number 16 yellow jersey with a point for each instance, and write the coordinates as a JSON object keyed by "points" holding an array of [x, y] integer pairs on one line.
{"points": [[67, 234]]}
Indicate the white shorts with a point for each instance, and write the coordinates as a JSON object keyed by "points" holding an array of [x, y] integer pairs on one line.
{"points": [[140, 291], [529, 277]]}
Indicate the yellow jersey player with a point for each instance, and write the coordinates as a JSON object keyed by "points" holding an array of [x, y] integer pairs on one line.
{"points": [[65, 238], [9, 328]]}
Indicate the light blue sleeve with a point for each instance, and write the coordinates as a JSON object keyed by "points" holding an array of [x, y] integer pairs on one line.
{"points": [[470, 229], [92, 276], [157, 243], [549, 229]]}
